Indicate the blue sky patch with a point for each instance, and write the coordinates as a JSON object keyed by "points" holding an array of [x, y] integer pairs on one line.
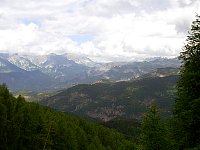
{"points": [[27, 21], [81, 38]]}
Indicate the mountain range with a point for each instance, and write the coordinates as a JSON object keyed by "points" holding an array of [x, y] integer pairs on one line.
{"points": [[52, 71]]}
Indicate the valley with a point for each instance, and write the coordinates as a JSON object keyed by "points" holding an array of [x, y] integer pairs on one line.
{"points": [[99, 91], [99, 75]]}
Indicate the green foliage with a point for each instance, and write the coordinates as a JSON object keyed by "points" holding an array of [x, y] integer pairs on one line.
{"points": [[153, 135], [187, 114], [129, 127], [27, 126]]}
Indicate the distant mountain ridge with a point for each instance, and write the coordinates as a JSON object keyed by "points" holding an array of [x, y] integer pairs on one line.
{"points": [[6, 66], [61, 71], [22, 62]]}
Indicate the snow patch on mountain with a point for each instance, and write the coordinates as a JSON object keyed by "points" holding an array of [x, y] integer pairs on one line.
{"points": [[22, 62]]}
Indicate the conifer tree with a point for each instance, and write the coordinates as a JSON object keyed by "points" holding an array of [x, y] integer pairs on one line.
{"points": [[152, 133], [187, 113]]}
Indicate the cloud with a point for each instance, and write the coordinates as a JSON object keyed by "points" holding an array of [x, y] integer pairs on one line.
{"points": [[102, 29]]}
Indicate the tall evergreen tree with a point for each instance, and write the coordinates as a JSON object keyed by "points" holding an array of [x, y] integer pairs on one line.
{"points": [[153, 133], [187, 114]]}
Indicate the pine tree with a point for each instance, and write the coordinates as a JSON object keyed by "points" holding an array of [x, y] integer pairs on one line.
{"points": [[187, 114], [152, 133]]}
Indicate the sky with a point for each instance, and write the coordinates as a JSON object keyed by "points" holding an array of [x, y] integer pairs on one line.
{"points": [[103, 30]]}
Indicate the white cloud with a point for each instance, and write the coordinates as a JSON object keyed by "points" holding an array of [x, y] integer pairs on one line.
{"points": [[124, 29], [18, 37]]}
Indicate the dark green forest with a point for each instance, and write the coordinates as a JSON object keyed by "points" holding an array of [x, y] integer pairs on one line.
{"points": [[25, 125], [187, 104]]}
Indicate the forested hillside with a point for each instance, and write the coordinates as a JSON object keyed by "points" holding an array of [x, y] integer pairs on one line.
{"points": [[30, 126], [127, 99], [181, 131]]}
